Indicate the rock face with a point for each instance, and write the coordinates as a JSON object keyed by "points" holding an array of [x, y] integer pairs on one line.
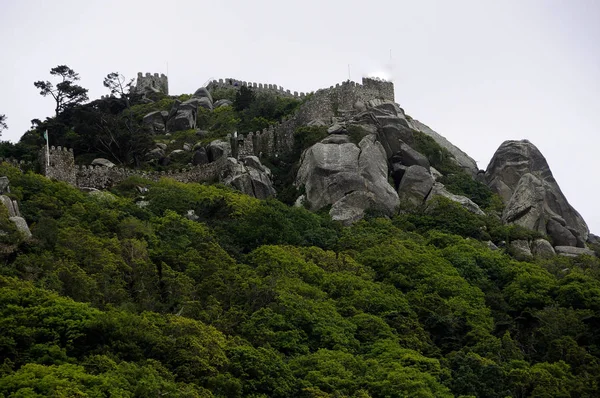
{"points": [[439, 190], [415, 185], [249, 176], [462, 159], [542, 248], [519, 173], [218, 149], [521, 249], [157, 121], [570, 251], [347, 176]]}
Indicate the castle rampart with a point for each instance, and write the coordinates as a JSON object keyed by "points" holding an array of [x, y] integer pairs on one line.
{"points": [[324, 104], [62, 167], [153, 82]]}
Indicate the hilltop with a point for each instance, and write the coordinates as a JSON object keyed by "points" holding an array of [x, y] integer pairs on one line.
{"points": [[247, 240]]}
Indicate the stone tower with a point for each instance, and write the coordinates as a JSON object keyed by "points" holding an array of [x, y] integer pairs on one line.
{"points": [[154, 82]]}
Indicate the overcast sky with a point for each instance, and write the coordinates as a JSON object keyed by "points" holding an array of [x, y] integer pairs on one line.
{"points": [[478, 72]]}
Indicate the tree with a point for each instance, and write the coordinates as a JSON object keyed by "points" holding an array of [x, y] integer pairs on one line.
{"points": [[3, 125], [66, 93]]}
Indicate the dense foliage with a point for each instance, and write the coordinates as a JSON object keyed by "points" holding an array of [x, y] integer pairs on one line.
{"points": [[112, 297]]}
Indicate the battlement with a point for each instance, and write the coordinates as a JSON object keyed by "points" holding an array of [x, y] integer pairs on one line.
{"points": [[154, 82], [229, 83]]}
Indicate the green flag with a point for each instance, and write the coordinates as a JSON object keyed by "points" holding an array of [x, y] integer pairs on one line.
{"points": [[46, 135]]}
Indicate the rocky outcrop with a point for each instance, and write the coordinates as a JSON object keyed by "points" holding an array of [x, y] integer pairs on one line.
{"points": [[519, 173], [347, 176], [439, 190], [542, 248], [249, 176], [218, 149], [570, 251], [156, 121], [521, 250], [462, 159], [415, 185]]}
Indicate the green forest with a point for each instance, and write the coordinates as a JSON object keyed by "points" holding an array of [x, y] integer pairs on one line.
{"points": [[257, 298]]}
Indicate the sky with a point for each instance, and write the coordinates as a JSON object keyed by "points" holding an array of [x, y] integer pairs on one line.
{"points": [[478, 72]]}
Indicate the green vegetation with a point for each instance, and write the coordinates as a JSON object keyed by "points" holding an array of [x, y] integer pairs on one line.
{"points": [[259, 299]]}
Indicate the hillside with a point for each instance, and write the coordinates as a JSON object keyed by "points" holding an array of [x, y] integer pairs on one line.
{"points": [[247, 241]]}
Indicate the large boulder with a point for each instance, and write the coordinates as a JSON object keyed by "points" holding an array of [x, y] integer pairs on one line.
{"points": [[415, 185], [570, 251], [200, 157], [521, 250], [439, 189], [330, 171], [103, 162], [22, 226], [461, 158], [409, 157], [218, 149], [156, 121], [4, 185], [249, 176], [184, 119], [519, 173], [203, 92], [542, 248], [10, 205]]}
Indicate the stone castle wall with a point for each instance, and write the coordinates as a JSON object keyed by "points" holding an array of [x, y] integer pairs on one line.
{"points": [[62, 167], [156, 81], [324, 104], [258, 87]]}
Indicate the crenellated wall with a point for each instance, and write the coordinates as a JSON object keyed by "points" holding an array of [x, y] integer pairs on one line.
{"points": [[259, 87], [324, 104], [62, 167], [155, 81]]}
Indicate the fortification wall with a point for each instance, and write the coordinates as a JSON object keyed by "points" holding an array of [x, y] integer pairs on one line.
{"points": [[154, 81], [230, 83], [62, 167], [324, 104]]}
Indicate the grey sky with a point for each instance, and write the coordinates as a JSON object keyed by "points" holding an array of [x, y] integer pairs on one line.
{"points": [[478, 72]]}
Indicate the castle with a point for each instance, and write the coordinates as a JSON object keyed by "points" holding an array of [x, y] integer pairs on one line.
{"points": [[276, 140]]}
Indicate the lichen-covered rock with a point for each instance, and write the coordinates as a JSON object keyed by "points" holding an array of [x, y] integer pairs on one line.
{"points": [[542, 248], [102, 162], [10, 205], [521, 250], [330, 171], [184, 119], [519, 173], [22, 226], [218, 149], [157, 121], [438, 189], [415, 185], [203, 92], [352, 207], [248, 176], [461, 158], [570, 251], [4, 185], [200, 157]]}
